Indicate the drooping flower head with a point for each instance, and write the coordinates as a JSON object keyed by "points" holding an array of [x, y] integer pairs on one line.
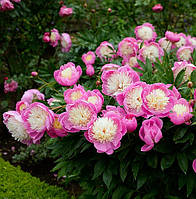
{"points": [[37, 119], [78, 116], [68, 74], [64, 11], [157, 8], [107, 67], [57, 130], [127, 47], [10, 86], [89, 58], [105, 51], [106, 132], [21, 106], [74, 94], [157, 100], [178, 66], [32, 94], [15, 125], [184, 53], [54, 37], [165, 44], [6, 5], [150, 132], [152, 51], [172, 37], [180, 112], [115, 82], [65, 42], [145, 32]]}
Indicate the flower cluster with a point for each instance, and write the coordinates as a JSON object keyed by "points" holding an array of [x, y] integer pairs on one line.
{"points": [[10, 86], [7, 4], [54, 37]]}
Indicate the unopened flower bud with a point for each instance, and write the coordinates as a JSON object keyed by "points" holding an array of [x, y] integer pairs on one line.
{"points": [[34, 73], [5, 78], [190, 84], [93, 10], [98, 82], [61, 2], [85, 5], [109, 10]]}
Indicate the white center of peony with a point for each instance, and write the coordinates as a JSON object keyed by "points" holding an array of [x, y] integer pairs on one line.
{"points": [[166, 45], [104, 129], [17, 129], [64, 43], [185, 54], [67, 73], [180, 109], [53, 37], [76, 95], [145, 33], [37, 118], [92, 99], [88, 57], [126, 49], [133, 99], [181, 42], [106, 51], [132, 61], [80, 115], [57, 124], [157, 100], [151, 52]]}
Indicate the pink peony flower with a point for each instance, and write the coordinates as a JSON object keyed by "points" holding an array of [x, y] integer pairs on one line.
{"points": [[46, 37], [95, 98], [34, 73], [127, 47], [107, 67], [56, 130], [21, 106], [54, 37], [65, 42], [106, 132], [115, 82], [74, 94], [131, 61], [145, 32], [15, 125], [184, 53], [150, 132], [37, 119], [174, 92], [105, 51], [180, 112], [89, 58], [90, 71], [78, 116], [172, 37], [30, 95], [64, 11], [131, 99], [157, 100], [191, 41], [165, 44], [157, 8], [194, 165], [182, 42], [152, 51], [178, 66], [68, 74], [6, 5], [130, 122], [10, 87]]}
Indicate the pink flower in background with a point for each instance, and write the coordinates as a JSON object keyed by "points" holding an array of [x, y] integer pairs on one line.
{"points": [[6, 5], [145, 32], [10, 87], [180, 112], [90, 71], [157, 8], [56, 130], [115, 82], [68, 74], [107, 67], [152, 51], [157, 100], [64, 11], [15, 125], [172, 37], [65, 42], [46, 37], [150, 132], [74, 94], [194, 165], [106, 132], [184, 53], [127, 47], [37, 119], [105, 51], [21, 106], [78, 116], [89, 58], [32, 94], [54, 37]]}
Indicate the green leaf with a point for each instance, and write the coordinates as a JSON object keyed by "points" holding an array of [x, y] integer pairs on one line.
{"points": [[119, 192], [98, 169], [179, 78], [128, 195], [135, 169], [193, 78], [141, 180], [123, 170], [190, 184], [181, 181], [107, 177], [167, 161], [138, 70], [182, 161], [179, 133], [152, 160]]}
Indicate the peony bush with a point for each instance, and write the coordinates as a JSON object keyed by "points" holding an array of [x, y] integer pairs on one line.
{"points": [[126, 128]]}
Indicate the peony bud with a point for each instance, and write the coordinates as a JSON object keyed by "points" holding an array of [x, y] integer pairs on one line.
{"points": [[93, 10], [34, 73], [98, 82], [109, 10], [190, 84]]}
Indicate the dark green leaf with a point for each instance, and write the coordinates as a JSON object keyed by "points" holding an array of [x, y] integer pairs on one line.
{"points": [[141, 179], [190, 184], [107, 177], [182, 161], [152, 160], [135, 169], [181, 181], [179, 78], [167, 161], [98, 169], [179, 133]]}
